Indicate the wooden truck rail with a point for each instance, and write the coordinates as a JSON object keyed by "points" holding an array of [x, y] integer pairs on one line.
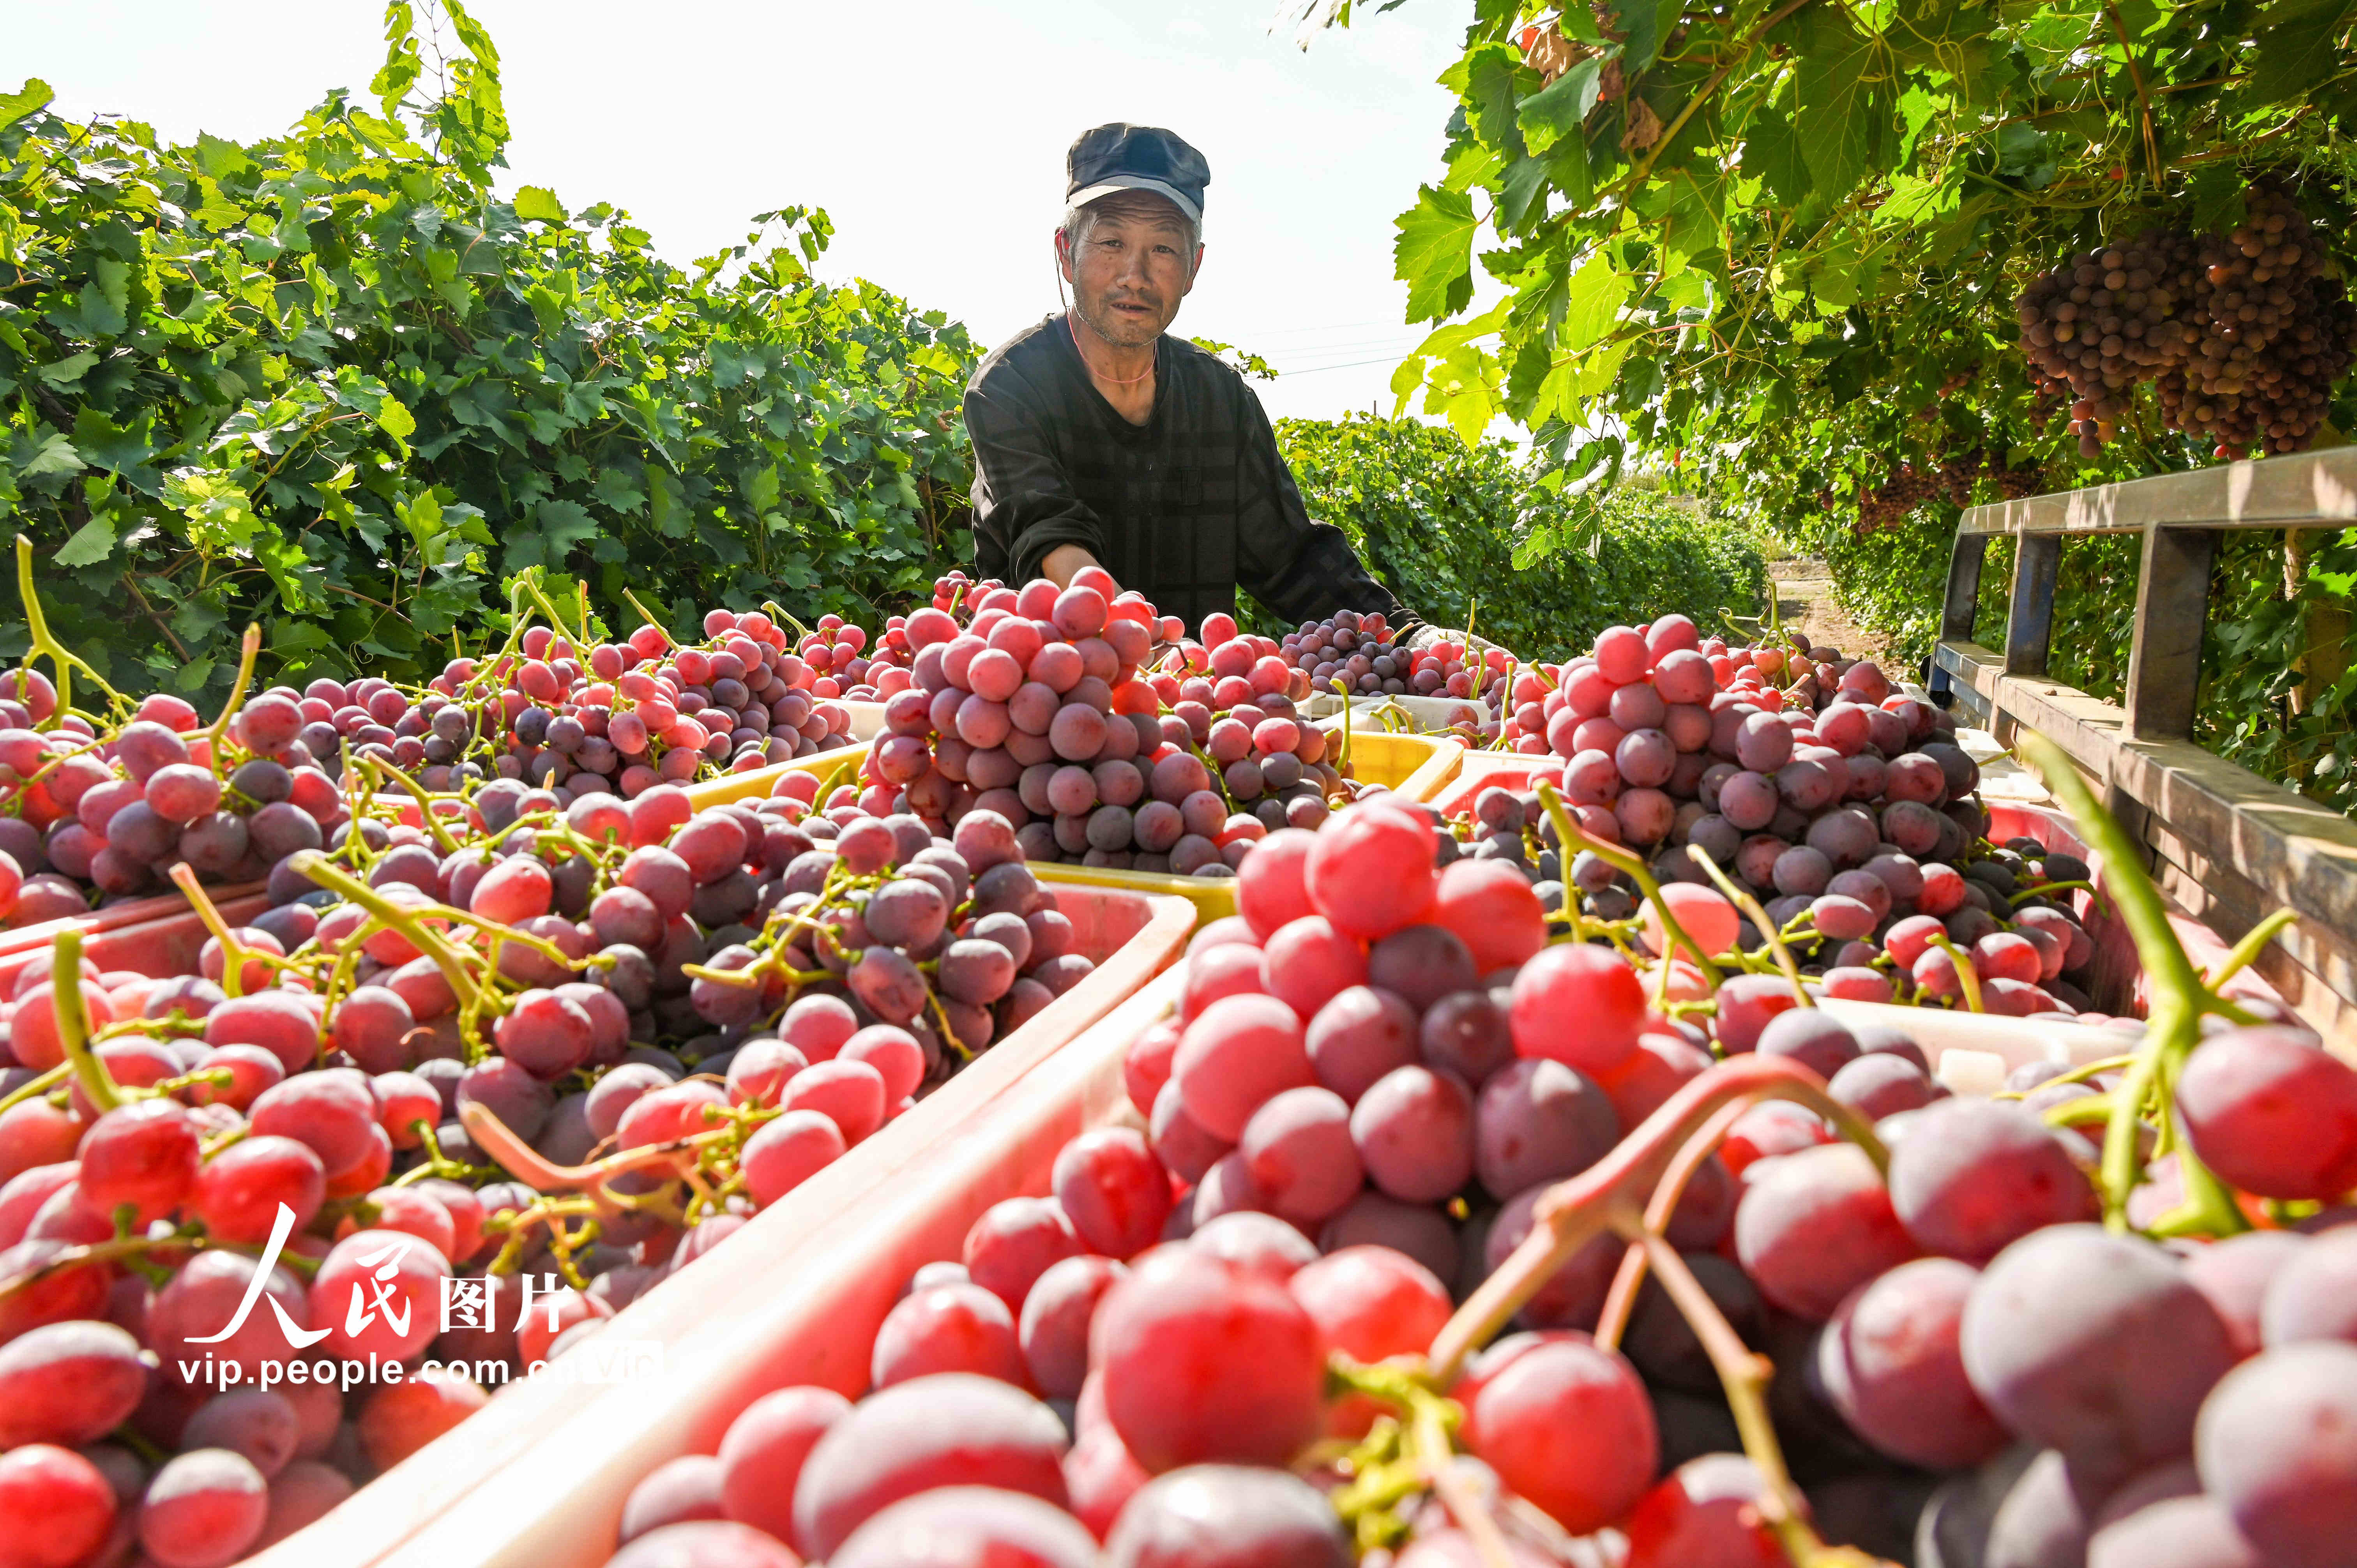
{"points": [[2228, 845]]}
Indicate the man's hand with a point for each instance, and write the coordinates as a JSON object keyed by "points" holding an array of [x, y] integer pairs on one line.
{"points": [[1062, 563]]}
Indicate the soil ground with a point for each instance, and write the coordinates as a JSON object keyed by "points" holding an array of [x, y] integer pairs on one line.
{"points": [[1805, 598]]}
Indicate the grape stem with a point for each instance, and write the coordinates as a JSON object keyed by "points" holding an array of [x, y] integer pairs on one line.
{"points": [[1610, 1194], [73, 1024], [2080, 1074], [778, 613], [490, 668], [318, 868], [1341, 752], [1621, 1301], [1760, 920], [249, 649], [124, 1250], [2172, 1023], [36, 626], [1432, 1443], [649, 616], [40, 1084], [1569, 831], [536, 1171], [532, 586], [2246, 951], [381, 770], [1967, 977], [235, 955], [1745, 1374], [438, 1163]]}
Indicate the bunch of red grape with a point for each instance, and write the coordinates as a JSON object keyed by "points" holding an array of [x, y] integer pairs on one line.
{"points": [[83, 812], [1037, 711], [618, 719], [1380, 1080], [2245, 333], [1851, 820], [837, 656], [113, 814], [1231, 704], [1359, 652]]}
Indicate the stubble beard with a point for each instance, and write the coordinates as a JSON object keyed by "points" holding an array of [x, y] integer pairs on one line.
{"points": [[1113, 329]]}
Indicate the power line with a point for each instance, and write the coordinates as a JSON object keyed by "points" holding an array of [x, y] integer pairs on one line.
{"points": [[1384, 359], [1329, 327], [1322, 349]]}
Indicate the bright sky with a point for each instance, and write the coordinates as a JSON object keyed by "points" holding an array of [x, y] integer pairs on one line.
{"points": [[933, 134]]}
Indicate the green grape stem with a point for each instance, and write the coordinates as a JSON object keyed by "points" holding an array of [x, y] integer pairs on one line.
{"points": [[1568, 833], [73, 1025], [2172, 1023]]}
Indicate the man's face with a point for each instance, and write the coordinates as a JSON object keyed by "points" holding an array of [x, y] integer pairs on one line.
{"points": [[1131, 270]]}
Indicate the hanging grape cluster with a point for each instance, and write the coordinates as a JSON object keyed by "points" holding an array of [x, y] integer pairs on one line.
{"points": [[1912, 484], [2245, 333]]}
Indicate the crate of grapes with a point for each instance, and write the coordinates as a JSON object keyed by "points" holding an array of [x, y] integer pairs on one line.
{"points": [[732, 1315], [972, 1291], [422, 1056], [1412, 766]]}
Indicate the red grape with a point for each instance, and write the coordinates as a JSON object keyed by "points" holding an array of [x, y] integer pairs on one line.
{"points": [[783, 1154], [239, 1191], [2094, 1344], [762, 1455], [1890, 1363], [1237, 1054], [1578, 1004], [1054, 1330], [1567, 1425], [1537, 1121], [258, 1424], [203, 1509], [379, 1292], [1170, 1339], [1813, 1226], [1414, 1129], [947, 1328], [62, 1505], [68, 1383], [969, 1527], [1227, 1516], [2276, 1444], [1113, 1190], [1371, 871], [1974, 1175], [949, 1430], [2271, 1112], [1703, 1514], [145, 1155]]}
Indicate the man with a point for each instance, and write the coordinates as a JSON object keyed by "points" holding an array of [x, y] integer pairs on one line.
{"points": [[1099, 439]]}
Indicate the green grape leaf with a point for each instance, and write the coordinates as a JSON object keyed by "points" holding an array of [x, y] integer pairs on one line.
{"points": [[1434, 253], [92, 543], [535, 204]]}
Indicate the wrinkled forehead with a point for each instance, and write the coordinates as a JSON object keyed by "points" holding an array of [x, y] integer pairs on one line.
{"points": [[1137, 210]]}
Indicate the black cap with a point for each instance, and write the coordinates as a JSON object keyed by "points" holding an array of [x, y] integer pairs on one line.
{"points": [[1136, 158]]}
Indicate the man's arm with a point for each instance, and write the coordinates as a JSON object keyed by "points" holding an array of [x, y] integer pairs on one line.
{"points": [[1027, 523], [1302, 569], [1064, 562]]}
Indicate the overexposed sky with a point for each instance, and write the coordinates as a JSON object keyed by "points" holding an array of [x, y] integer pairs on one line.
{"points": [[933, 134]]}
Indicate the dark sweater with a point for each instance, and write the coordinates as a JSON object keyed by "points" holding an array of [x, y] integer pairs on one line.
{"points": [[1183, 509]]}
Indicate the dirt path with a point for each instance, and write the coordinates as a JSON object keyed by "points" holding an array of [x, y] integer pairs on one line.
{"points": [[1805, 598]]}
